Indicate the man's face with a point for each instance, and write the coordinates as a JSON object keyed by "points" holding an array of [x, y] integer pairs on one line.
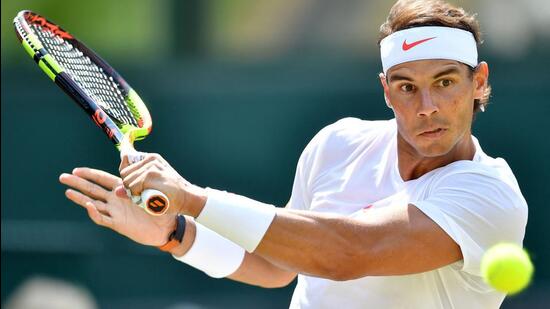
{"points": [[433, 102]]}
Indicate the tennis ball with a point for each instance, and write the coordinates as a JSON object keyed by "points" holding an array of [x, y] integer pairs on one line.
{"points": [[507, 267]]}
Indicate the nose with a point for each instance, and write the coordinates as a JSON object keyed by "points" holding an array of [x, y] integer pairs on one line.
{"points": [[427, 106]]}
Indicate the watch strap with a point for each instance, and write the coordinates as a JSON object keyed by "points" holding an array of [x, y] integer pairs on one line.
{"points": [[176, 236]]}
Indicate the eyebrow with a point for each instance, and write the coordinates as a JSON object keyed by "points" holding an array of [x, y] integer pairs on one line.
{"points": [[397, 77], [449, 71]]}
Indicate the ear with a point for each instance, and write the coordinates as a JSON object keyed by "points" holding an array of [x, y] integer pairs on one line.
{"points": [[481, 79], [386, 89]]}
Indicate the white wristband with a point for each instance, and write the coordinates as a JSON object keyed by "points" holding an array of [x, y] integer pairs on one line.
{"points": [[211, 253], [240, 219]]}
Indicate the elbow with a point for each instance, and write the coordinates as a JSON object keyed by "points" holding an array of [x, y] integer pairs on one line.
{"points": [[272, 285], [275, 280], [345, 275]]}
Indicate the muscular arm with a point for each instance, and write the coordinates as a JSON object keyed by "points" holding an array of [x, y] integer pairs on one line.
{"points": [[395, 240]]}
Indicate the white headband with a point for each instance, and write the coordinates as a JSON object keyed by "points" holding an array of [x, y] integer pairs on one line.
{"points": [[421, 43]]}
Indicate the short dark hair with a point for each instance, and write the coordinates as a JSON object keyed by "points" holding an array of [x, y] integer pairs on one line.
{"points": [[407, 14]]}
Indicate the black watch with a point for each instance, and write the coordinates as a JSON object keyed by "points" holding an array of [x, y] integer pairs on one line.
{"points": [[176, 236]]}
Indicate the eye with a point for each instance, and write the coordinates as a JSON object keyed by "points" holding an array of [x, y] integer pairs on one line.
{"points": [[407, 87], [445, 82]]}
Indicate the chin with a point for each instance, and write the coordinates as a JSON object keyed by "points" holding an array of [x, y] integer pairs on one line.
{"points": [[434, 150]]}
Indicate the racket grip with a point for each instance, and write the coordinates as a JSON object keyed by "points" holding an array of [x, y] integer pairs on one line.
{"points": [[134, 156], [152, 201]]}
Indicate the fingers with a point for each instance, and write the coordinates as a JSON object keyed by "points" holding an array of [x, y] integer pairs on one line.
{"points": [[98, 217], [83, 200], [77, 197], [102, 178], [123, 161], [140, 178], [130, 168], [139, 184], [129, 157], [143, 180], [90, 189], [97, 210], [127, 167]]}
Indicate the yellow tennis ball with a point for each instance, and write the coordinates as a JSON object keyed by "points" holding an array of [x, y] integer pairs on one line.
{"points": [[507, 267]]}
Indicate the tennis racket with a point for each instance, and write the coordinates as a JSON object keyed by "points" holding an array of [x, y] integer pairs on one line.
{"points": [[95, 86]]}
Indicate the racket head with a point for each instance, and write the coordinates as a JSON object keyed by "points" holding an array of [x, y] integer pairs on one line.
{"points": [[89, 80]]}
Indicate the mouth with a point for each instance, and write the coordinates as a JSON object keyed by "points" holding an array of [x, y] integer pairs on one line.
{"points": [[435, 133]]}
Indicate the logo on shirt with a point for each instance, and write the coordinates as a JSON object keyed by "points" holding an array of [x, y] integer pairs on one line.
{"points": [[367, 207]]}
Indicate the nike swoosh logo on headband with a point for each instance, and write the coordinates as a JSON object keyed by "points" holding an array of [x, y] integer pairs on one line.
{"points": [[413, 44]]}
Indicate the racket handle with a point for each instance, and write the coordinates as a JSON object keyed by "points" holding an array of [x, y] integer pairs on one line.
{"points": [[152, 201], [134, 156]]}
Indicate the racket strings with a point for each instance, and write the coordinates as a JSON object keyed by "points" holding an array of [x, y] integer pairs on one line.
{"points": [[97, 84]]}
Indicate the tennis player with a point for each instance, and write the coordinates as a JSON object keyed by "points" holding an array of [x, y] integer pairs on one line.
{"points": [[383, 214]]}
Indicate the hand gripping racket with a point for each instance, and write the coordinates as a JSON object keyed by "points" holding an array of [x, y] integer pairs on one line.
{"points": [[95, 86]]}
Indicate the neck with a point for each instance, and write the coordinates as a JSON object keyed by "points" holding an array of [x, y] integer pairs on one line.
{"points": [[413, 165]]}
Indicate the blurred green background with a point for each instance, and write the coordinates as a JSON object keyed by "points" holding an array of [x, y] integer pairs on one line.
{"points": [[236, 90]]}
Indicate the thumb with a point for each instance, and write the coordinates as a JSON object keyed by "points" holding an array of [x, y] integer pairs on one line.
{"points": [[120, 191]]}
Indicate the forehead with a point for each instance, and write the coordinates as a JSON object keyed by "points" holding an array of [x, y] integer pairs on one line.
{"points": [[428, 68]]}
